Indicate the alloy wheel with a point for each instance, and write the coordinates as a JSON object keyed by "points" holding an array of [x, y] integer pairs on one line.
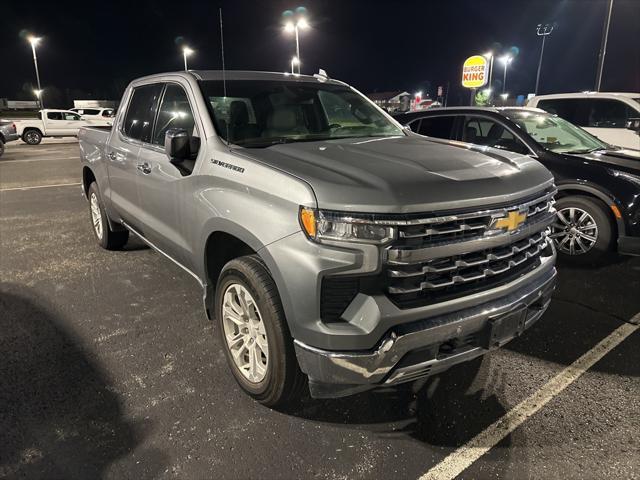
{"points": [[574, 231], [244, 332], [96, 215]]}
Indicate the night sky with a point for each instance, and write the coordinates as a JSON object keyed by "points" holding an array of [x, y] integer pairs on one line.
{"points": [[92, 49]]}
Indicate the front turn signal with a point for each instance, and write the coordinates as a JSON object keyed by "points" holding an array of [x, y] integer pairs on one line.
{"points": [[308, 221]]}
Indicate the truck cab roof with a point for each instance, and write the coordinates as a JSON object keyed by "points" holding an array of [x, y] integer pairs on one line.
{"points": [[242, 75]]}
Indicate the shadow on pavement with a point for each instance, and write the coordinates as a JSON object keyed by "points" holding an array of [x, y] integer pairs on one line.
{"points": [[446, 410], [59, 416]]}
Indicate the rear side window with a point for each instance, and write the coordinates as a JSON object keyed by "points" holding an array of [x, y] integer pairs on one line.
{"points": [[54, 115], [175, 112], [90, 111], [142, 109], [573, 110], [438, 127]]}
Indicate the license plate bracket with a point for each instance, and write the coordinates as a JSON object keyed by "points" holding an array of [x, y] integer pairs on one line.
{"points": [[501, 329]]}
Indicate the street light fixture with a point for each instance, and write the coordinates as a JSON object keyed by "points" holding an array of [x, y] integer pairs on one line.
{"points": [[295, 27], [34, 42], [186, 51], [506, 60], [542, 31]]}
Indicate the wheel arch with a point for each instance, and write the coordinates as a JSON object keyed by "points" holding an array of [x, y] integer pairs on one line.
{"points": [[585, 190], [88, 177]]}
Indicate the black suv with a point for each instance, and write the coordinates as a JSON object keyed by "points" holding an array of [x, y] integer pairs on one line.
{"points": [[598, 201]]}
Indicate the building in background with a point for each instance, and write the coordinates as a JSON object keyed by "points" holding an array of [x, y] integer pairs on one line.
{"points": [[396, 101]]}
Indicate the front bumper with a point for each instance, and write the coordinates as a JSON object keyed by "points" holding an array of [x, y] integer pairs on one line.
{"points": [[629, 245], [427, 347]]}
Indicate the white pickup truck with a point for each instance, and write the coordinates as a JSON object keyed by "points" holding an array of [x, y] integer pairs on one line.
{"points": [[55, 123]]}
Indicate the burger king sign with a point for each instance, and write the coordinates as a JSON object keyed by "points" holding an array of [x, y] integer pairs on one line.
{"points": [[475, 72]]}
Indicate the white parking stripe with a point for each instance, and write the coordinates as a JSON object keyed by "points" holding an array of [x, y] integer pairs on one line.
{"points": [[458, 461], [40, 186], [2, 162]]}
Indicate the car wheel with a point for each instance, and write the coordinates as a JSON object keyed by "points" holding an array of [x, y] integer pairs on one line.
{"points": [[255, 335], [106, 237], [1, 148], [583, 230], [32, 137]]}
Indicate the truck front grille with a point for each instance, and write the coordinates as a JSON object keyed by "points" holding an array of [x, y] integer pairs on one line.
{"points": [[449, 256]]}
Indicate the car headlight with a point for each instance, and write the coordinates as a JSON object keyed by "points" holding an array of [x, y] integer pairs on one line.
{"points": [[326, 225]]}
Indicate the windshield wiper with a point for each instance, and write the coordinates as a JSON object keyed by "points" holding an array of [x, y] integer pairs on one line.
{"points": [[586, 150]]}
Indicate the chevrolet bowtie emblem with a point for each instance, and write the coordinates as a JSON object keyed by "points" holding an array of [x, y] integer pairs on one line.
{"points": [[512, 221]]}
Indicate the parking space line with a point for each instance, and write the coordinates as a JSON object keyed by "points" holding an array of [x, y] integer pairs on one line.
{"points": [[458, 461], [2, 162], [40, 186]]}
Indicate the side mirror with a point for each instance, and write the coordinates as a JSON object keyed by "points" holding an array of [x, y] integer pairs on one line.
{"points": [[634, 124], [177, 145]]}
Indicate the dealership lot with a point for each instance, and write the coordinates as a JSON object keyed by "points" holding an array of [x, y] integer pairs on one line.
{"points": [[109, 367]]}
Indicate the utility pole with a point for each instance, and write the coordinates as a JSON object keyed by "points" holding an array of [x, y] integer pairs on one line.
{"points": [[542, 31], [603, 46]]}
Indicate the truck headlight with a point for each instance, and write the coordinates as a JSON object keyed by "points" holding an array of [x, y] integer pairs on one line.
{"points": [[322, 225]]}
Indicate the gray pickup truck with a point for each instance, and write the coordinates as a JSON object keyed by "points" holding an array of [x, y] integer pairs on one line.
{"points": [[8, 133], [333, 246]]}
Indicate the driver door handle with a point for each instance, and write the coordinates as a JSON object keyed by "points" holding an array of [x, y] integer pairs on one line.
{"points": [[112, 156], [144, 168]]}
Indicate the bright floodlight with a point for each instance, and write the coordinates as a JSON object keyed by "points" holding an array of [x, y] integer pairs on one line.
{"points": [[488, 54], [295, 61], [302, 24], [506, 59], [418, 94], [504, 96], [289, 27], [187, 51], [33, 40], [37, 93], [487, 91]]}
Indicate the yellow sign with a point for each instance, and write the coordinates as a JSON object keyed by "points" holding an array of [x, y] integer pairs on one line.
{"points": [[512, 221], [475, 72]]}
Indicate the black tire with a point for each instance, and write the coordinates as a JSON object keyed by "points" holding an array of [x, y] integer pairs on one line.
{"points": [[1, 148], [605, 234], [105, 236], [283, 382], [32, 136]]}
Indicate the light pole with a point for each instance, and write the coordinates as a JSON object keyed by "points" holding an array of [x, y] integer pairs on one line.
{"points": [[542, 31], [506, 60], [490, 56], [603, 46], [291, 27], [295, 61], [186, 51], [34, 41]]}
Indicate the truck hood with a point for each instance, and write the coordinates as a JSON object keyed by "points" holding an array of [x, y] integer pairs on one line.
{"points": [[626, 158], [405, 174]]}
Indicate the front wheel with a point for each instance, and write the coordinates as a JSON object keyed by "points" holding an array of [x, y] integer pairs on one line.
{"points": [[583, 230], [254, 333], [32, 137]]}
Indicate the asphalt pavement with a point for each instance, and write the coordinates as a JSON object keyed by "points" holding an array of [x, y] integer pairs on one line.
{"points": [[110, 369]]}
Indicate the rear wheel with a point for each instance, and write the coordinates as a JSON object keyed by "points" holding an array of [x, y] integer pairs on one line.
{"points": [[32, 137], [254, 333], [583, 230], [106, 237]]}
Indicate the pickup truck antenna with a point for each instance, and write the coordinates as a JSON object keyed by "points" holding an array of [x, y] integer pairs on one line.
{"points": [[224, 77]]}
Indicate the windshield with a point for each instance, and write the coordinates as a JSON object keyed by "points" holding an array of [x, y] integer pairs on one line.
{"points": [[260, 113], [555, 133]]}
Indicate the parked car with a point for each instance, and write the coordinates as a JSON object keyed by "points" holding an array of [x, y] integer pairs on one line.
{"points": [[598, 199], [53, 123], [603, 114], [330, 243], [8, 133], [97, 113]]}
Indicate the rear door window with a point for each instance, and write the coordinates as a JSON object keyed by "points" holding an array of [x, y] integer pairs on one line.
{"points": [[438, 127], [138, 122], [574, 110], [54, 115]]}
